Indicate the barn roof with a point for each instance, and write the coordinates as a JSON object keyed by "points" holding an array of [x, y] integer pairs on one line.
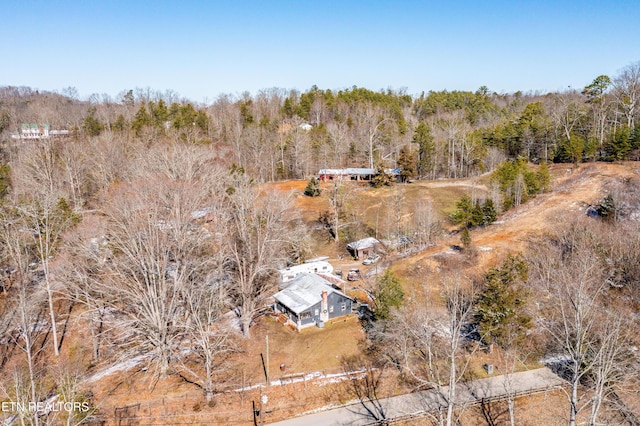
{"points": [[305, 291], [347, 171]]}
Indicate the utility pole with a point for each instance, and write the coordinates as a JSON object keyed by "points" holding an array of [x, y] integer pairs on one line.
{"points": [[263, 401], [267, 363]]}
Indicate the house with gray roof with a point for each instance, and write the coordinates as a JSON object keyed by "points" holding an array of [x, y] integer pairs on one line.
{"points": [[311, 300]]}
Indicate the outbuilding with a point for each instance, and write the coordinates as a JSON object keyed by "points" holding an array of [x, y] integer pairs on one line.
{"points": [[363, 248], [351, 173]]}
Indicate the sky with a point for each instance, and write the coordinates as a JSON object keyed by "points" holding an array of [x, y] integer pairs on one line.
{"points": [[202, 49]]}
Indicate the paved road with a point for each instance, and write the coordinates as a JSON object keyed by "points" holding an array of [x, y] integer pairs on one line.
{"points": [[412, 404]]}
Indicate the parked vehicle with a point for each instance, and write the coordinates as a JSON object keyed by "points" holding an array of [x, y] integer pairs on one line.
{"points": [[353, 275], [371, 259]]}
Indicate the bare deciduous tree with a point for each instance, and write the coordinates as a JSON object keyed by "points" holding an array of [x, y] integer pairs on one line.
{"points": [[80, 268], [338, 136], [371, 121], [338, 196], [573, 285], [208, 337], [256, 244], [28, 327], [159, 253], [613, 362], [426, 222], [627, 92], [365, 385], [429, 338], [46, 218]]}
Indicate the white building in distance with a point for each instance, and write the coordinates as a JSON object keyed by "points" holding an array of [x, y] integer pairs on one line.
{"points": [[32, 131]]}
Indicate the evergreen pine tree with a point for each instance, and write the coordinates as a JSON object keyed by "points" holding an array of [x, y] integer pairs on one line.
{"points": [[619, 144], [489, 214], [120, 124], [426, 150], [499, 309], [91, 125], [313, 188], [543, 177], [388, 294], [141, 120], [406, 164], [463, 215], [381, 179], [607, 208], [465, 238]]}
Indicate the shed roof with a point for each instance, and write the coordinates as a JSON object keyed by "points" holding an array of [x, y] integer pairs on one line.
{"points": [[363, 243], [304, 292]]}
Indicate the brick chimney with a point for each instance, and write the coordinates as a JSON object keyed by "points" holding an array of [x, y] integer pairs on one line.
{"points": [[324, 306]]}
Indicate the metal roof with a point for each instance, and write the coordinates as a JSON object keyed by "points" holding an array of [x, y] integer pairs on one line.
{"points": [[348, 171], [363, 243], [304, 292]]}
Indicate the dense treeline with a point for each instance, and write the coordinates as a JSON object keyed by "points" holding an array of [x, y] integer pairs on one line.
{"points": [[281, 134]]}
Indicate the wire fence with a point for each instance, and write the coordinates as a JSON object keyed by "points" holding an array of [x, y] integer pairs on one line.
{"points": [[192, 408]]}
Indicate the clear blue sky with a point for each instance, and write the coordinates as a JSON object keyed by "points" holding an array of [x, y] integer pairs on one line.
{"points": [[201, 49]]}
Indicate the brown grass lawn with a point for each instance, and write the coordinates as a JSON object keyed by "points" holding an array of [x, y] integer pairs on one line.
{"points": [[309, 350]]}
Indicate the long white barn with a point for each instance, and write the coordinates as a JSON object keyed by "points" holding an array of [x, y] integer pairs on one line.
{"points": [[352, 173]]}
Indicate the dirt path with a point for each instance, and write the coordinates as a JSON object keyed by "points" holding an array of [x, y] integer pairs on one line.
{"points": [[571, 195]]}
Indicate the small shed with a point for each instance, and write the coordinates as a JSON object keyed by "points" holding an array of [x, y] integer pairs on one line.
{"points": [[363, 247], [311, 300]]}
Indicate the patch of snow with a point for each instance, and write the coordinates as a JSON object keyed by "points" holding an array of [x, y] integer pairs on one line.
{"points": [[198, 214], [317, 377], [483, 248], [121, 366], [233, 320], [342, 378], [556, 359]]}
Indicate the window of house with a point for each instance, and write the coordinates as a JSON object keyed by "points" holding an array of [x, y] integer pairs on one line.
{"points": [[331, 309], [317, 312], [343, 307], [305, 315]]}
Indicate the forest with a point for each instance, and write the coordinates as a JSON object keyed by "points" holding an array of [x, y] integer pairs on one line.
{"points": [[139, 231], [449, 134]]}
